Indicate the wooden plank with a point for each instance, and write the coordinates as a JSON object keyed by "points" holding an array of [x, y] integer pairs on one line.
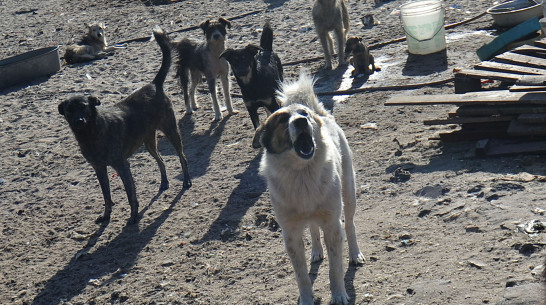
{"points": [[519, 59], [484, 97], [481, 74], [488, 110], [510, 147], [458, 136], [518, 88], [532, 118], [509, 68], [470, 120], [540, 43], [517, 128], [530, 50]]}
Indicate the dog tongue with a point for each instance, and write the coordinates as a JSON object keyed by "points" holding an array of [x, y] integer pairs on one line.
{"points": [[304, 146]]}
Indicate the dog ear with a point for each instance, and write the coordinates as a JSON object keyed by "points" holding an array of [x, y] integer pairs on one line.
{"points": [[204, 25], [93, 100], [253, 49], [61, 107], [227, 54], [225, 22], [87, 25]]}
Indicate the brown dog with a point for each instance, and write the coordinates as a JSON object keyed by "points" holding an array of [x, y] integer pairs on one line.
{"points": [[91, 45], [110, 136], [361, 57]]}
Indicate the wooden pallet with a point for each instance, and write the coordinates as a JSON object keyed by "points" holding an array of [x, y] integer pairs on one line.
{"points": [[503, 121], [510, 67]]}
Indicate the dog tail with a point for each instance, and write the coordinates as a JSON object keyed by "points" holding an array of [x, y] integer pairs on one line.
{"points": [[266, 41], [165, 45], [301, 92]]}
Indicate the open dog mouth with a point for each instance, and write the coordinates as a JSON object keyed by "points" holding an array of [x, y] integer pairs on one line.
{"points": [[304, 146]]}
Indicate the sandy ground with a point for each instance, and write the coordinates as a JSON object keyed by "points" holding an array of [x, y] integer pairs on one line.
{"points": [[448, 235]]}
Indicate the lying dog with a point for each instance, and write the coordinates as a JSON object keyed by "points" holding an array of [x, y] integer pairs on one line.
{"points": [[361, 57], [89, 48], [110, 136], [204, 58], [331, 15], [258, 71], [308, 168]]}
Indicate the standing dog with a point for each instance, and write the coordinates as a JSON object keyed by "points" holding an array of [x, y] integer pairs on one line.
{"points": [[308, 168], [204, 58], [362, 59], [258, 71], [331, 15], [110, 136], [91, 45]]}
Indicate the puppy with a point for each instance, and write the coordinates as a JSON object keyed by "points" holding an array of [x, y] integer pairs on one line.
{"points": [[110, 136], [89, 48], [197, 59], [331, 15], [361, 57], [308, 168], [258, 71]]}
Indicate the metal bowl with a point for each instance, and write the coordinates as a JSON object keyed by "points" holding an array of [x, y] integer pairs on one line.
{"points": [[28, 66], [512, 13]]}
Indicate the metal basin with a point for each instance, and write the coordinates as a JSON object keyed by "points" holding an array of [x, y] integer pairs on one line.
{"points": [[512, 13], [28, 66]]}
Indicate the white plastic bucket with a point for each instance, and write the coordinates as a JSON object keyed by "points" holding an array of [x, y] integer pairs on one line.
{"points": [[423, 22]]}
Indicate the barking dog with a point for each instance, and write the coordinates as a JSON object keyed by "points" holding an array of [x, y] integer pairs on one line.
{"points": [[258, 72], [308, 168], [331, 15], [197, 59], [361, 57], [110, 136], [91, 45]]}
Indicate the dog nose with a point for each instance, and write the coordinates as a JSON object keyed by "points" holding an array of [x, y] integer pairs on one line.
{"points": [[300, 122]]}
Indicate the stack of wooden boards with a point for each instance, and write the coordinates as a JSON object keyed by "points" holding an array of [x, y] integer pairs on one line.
{"points": [[503, 120]]}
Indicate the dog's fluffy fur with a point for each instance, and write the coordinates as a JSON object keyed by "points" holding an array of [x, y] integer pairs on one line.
{"points": [[197, 59], [331, 15], [361, 58], [110, 136], [91, 45], [308, 168], [258, 71]]}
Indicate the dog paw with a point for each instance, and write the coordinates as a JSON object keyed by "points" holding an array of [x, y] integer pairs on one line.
{"points": [[233, 112], [103, 218], [340, 298], [133, 220], [327, 66], [357, 259], [187, 183], [217, 118], [316, 256]]}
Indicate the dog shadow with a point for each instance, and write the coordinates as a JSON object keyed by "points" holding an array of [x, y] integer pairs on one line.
{"points": [[328, 81], [421, 65], [113, 260], [198, 148], [244, 196]]}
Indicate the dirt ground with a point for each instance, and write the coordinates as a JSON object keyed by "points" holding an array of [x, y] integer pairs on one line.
{"points": [[447, 235]]}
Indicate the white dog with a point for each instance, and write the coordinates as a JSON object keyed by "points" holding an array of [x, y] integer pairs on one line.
{"points": [[309, 172]]}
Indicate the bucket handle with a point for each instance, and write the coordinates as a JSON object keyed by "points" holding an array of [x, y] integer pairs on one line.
{"points": [[421, 40]]}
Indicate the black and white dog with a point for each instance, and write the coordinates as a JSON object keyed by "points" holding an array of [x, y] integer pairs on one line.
{"points": [[204, 58], [258, 72]]}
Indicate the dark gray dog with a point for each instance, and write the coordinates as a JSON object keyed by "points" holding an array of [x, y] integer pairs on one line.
{"points": [[110, 136]]}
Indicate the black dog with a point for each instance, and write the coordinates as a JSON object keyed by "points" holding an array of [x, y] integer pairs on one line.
{"points": [[258, 72], [110, 136]]}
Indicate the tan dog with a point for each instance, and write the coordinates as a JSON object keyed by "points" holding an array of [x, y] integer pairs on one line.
{"points": [[309, 172], [91, 45], [331, 15], [361, 57]]}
